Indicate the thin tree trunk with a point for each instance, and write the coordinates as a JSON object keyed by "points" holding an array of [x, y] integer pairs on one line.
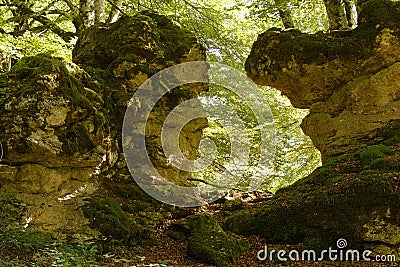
{"points": [[336, 14], [86, 12], [115, 10], [286, 18], [98, 11], [351, 13]]}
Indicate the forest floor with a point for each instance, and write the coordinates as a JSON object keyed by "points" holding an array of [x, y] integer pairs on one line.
{"points": [[170, 253]]}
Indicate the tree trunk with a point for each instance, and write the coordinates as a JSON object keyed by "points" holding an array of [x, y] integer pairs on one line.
{"points": [[351, 13], [115, 10], [336, 14], [286, 18], [86, 12], [98, 11]]}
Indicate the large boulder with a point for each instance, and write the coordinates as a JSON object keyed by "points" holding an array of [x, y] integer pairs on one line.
{"points": [[60, 123], [349, 80]]}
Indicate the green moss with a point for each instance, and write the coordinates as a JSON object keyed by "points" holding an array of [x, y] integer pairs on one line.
{"points": [[390, 134], [99, 120], [177, 41], [233, 204], [77, 139], [283, 48], [108, 217], [335, 201], [374, 157], [210, 244], [127, 189], [135, 206], [239, 223], [34, 69]]}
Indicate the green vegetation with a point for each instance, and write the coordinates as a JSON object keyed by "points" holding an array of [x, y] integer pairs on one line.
{"points": [[24, 246], [336, 197], [374, 158], [208, 242]]}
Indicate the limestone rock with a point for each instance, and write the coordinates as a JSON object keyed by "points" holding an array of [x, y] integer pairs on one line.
{"points": [[345, 198], [380, 230], [60, 123], [207, 241], [46, 161], [353, 113], [132, 50], [349, 80]]}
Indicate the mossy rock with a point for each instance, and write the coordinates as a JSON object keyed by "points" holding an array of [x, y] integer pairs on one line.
{"points": [[334, 202], [140, 39], [390, 134], [239, 223], [233, 204], [46, 73], [108, 217], [373, 158], [210, 244]]}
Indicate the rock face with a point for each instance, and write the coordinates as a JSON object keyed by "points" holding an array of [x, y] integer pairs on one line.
{"points": [[348, 80], [60, 123]]}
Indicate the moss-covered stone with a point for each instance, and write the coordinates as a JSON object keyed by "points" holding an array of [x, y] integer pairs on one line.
{"points": [[139, 39], [107, 216], [374, 157], [346, 78], [239, 223], [390, 134], [336, 201], [233, 204], [209, 243], [62, 119]]}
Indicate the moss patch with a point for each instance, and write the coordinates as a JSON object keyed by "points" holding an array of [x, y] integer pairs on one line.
{"points": [[76, 139], [140, 39], [333, 202], [107, 216], [210, 244], [374, 158]]}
